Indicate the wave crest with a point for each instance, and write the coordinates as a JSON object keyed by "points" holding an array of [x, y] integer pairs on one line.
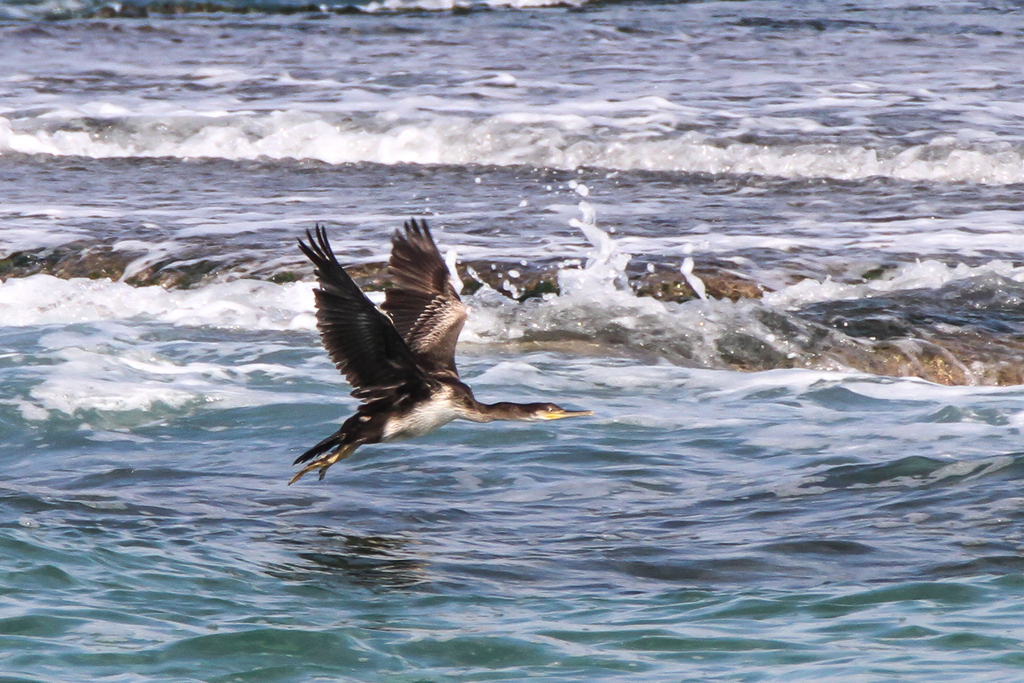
{"points": [[562, 141]]}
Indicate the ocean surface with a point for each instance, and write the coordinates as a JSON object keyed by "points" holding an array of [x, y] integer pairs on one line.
{"points": [[817, 480]]}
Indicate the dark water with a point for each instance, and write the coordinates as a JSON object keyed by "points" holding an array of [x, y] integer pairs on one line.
{"points": [[768, 490]]}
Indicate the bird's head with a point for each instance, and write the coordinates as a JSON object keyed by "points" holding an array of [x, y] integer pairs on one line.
{"points": [[523, 412], [549, 411]]}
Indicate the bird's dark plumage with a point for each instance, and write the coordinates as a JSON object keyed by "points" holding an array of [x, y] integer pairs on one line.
{"points": [[423, 304], [400, 362], [363, 342]]}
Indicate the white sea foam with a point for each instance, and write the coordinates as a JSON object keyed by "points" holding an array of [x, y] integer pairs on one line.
{"points": [[110, 369], [595, 304], [917, 275], [599, 139], [246, 304]]}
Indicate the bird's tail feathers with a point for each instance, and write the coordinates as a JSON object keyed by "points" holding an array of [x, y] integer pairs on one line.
{"points": [[333, 441]]}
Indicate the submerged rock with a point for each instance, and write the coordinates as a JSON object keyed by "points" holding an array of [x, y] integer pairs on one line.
{"points": [[968, 332], [669, 284], [95, 261]]}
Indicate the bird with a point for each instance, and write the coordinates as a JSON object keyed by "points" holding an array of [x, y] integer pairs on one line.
{"points": [[400, 358]]}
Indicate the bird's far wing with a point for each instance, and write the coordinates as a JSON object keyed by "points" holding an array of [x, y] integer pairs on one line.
{"points": [[424, 306], [362, 341]]}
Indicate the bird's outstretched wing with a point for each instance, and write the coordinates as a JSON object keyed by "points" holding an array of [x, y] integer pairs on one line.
{"points": [[424, 306], [362, 341]]}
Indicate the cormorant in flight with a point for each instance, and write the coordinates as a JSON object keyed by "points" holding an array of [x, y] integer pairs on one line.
{"points": [[400, 362]]}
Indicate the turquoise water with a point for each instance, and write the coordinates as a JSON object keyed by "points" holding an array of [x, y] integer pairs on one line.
{"points": [[704, 525]]}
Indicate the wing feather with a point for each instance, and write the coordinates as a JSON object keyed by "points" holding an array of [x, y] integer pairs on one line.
{"points": [[423, 304], [361, 341]]}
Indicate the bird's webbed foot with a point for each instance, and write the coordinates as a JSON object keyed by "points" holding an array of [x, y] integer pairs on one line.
{"points": [[325, 462]]}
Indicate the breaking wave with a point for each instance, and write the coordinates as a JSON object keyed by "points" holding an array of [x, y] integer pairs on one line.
{"points": [[925, 319], [65, 9], [647, 139]]}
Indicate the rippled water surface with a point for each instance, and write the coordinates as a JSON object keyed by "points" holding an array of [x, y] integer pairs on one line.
{"points": [[705, 524], [818, 478]]}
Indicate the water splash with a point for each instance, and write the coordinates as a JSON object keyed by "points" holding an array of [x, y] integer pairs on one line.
{"points": [[451, 259], [687, 270], [606, 264]]}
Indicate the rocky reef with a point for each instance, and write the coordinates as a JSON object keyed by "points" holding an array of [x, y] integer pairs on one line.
{"points": [[968, 332]]}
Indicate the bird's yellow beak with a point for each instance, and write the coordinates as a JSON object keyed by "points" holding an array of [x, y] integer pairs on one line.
{"points": [[559, 414]]}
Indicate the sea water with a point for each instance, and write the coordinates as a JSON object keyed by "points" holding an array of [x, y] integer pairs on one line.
{"points": [[762, 494]]}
